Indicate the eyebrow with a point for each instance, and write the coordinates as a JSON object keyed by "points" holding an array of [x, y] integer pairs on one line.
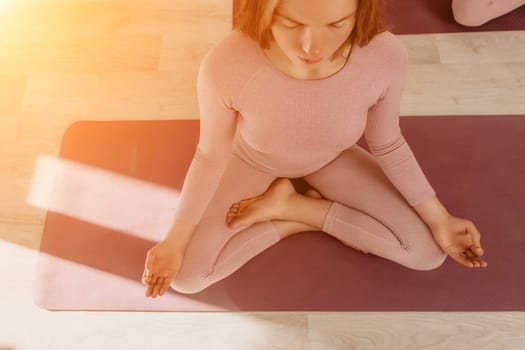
{"points": [[292, 20]]}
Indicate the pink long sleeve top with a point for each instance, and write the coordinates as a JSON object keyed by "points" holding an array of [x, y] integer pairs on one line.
{"points": [[291, 127]]}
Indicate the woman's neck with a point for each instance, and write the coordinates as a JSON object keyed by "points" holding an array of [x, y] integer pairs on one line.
{"points": [[283, 64]]}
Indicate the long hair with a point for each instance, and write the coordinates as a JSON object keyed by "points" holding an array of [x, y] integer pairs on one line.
{"points": [[254, 18]]}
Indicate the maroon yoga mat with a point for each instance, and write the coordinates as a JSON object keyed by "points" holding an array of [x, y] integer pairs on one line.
{"points": [[435, 16], [114, 194]]}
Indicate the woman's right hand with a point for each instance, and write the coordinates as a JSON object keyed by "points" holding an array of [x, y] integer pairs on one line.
{"points": [[162, 264]]}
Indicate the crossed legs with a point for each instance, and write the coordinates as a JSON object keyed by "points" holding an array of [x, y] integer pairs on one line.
{"points": [[361, 208], [351, 200], [215, 249], [369, 214]]}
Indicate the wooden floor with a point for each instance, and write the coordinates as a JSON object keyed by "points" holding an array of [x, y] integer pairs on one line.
{"points": [[63, 61]]}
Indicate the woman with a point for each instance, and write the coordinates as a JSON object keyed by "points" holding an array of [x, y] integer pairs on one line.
{"points": [[287, 95], [477, 12]]}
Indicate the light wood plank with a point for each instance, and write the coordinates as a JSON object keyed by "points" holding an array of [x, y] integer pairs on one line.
{"points": [[461, 89], [422, 49], [416, 330], [482, 47], [117, 54]]}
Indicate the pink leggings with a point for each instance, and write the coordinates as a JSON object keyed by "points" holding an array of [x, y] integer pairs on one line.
{"points": [[477, 12], [368, 214]]}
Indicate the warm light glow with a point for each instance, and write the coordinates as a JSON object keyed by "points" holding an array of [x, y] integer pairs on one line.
{"points": [[103, 198], [4, 4]]}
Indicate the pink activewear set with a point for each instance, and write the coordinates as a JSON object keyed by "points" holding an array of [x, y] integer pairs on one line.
{"points": [[258, 124]]}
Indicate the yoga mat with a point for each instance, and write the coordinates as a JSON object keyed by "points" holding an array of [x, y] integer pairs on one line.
{"points": [[435, 16], [113, 196]]}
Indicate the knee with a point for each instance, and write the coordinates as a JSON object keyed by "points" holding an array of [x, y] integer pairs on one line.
{"points": [[468, 20], [186, 287], [426, 259], [190, 284], [467, 13]]}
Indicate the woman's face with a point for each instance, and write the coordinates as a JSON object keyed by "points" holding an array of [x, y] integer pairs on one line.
{"points": [[312, 29]]}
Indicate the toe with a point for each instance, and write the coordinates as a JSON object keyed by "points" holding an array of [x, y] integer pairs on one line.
{"points": [[244, 202]]}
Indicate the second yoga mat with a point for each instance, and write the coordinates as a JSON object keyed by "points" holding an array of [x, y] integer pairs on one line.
{"points": [[435, 16]]}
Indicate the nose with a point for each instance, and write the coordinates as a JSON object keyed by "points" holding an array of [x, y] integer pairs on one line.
{"points": [[310, 43]]}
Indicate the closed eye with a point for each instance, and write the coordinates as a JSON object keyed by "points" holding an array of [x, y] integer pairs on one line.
{"points": [[337, 25]]}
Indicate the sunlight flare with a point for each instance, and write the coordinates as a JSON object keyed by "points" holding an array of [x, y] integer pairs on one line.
{"points": [[101, 197]]}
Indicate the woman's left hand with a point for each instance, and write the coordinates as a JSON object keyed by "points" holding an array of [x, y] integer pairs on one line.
{"points": [[460, 239]]}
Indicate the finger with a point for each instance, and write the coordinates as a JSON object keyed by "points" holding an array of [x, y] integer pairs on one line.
{"points": [[149, 265], [158, 285], [150, 280], [165, 286], [480, 263], [478, 250], [475, 251], [476, 238], [146, 280], [151, 286], [147, 277], [145, 274], [477, 262], [462, 259], [155, 289], [472, 257]]}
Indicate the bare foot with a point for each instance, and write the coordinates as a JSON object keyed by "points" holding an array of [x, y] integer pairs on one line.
{"points": [[271, 205]]}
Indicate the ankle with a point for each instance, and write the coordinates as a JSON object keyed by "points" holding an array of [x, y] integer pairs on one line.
{"points": [[288, 228], [308, 210]]}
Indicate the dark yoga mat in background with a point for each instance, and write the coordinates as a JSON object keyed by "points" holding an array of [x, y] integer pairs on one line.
{"points": [[435, 16], [88, 262]]}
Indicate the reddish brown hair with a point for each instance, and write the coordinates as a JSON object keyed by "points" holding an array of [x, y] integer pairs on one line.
{"points": [[254, 18]]}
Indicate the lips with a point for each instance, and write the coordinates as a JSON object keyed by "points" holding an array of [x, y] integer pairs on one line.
{"points": [[311, 60]]}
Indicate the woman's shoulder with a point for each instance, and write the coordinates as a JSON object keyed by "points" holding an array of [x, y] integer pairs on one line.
{"points": [[229, 64], [233, 51], [386, 46], [384, 58]]}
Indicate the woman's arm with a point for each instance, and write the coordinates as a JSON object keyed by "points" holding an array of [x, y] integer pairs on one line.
{"points": [[458, 237], [389, 147], [431, 211], [383, 134], [218, 122]]}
